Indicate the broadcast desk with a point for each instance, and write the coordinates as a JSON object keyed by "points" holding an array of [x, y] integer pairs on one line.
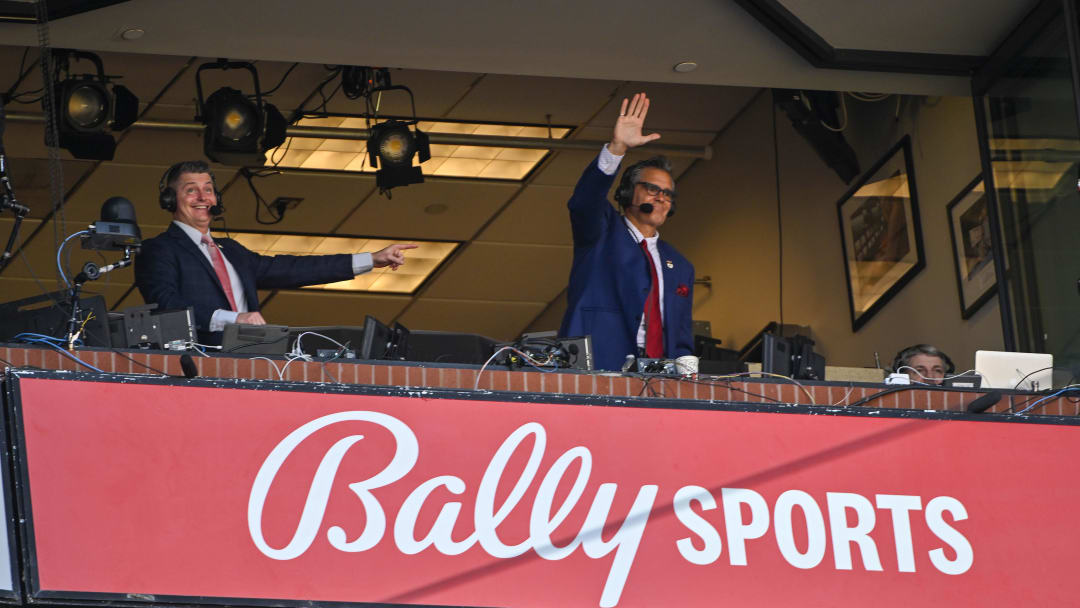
{"points": [[354, 483], [567, 382]]}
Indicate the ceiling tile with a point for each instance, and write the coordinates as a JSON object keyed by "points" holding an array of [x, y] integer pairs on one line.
{"points": [[40, 257], [551, 318], [31, 179], [151, 146], [435, 94], [137, 183], [531, 99], [680, 106], [489, 271], [320, 308], [328, 199], [182, 94], [497, 320], [461, 209], [20, 289], [537, 215]]}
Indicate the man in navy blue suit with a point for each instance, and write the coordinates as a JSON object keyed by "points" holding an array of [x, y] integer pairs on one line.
{"points": [[630, 291], [218, 278]]}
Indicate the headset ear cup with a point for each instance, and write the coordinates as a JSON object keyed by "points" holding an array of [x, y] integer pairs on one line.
{"points": [[167, 199]]}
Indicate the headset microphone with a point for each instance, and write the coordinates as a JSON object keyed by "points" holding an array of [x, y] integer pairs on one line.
{"points": [[646, 207]]}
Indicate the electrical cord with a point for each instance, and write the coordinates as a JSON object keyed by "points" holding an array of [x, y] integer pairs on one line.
{"points": [[247, 174], [282, 81], [805, 390], [1017, 386], [528, 359], [931, 381], [59, 266], [1048, 397], [879, 394], [869, 97], [843, 120]]}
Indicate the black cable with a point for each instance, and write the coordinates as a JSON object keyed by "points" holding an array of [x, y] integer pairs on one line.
{"points": [[22, 75], [1017, 385], [259, 200], [888, 391], [282, 81], [726, 384], [779, 221], [6, 362], [26, 101]]}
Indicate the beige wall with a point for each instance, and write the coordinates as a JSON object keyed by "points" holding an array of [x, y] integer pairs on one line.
{"points": [[727, 225]]}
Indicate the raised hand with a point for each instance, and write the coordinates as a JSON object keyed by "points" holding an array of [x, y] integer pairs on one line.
{"points": [[627, 132], [392, 256]]}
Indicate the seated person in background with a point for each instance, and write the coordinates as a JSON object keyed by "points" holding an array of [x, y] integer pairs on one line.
{"points": [[218, 278], [923, 363], [632, 292]]}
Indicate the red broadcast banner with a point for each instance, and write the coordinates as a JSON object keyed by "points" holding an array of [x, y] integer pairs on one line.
{"points": [[156, 491]]}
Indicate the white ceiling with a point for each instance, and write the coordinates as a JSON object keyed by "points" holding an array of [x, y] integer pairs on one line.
{"points": [[471, 60], [627, 40]]}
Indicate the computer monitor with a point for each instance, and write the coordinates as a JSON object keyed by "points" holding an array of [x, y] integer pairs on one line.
{"points": [[382, 342], [775, 355], [376, 339], [1020, 371]]}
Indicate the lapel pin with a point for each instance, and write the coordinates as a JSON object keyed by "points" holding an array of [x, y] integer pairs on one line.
{"points": [[670, 265]]}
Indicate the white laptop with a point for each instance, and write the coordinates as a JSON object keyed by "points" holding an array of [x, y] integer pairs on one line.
{"points": [[1031, 371]]}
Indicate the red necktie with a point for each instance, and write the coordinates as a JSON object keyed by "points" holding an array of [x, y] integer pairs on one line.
{"points": [[222, 273], [654, 325]]}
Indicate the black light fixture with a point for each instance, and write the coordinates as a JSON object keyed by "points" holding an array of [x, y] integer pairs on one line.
{"points": [[392, 144], [239, 128], [391, 148], [85, 108]]}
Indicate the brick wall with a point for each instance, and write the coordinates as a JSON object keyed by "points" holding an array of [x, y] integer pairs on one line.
{"points": [[420, 375]]}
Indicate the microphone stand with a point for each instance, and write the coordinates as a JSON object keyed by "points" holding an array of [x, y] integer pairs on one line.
{"points": [[90, 272], [7, 201]]}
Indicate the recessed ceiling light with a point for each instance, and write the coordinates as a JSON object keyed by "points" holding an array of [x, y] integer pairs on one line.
{"points": [[478, 162], [419, 262], [685, 66], [132, 33]]}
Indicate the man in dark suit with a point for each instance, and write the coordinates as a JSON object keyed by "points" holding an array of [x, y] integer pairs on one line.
{"points": [[630, 291], [218, 278]]}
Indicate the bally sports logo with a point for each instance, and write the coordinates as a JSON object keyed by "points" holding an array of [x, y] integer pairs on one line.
{"points": [[603, 534]]}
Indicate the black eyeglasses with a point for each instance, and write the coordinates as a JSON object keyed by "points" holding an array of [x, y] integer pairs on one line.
{"points": [[653, 190]]}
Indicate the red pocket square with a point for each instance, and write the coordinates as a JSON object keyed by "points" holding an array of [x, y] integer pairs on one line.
{"points": [[682, 290]]}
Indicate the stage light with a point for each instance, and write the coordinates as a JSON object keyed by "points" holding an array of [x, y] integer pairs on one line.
{"points": [[239, 129], [391, 149], [85, 108]]}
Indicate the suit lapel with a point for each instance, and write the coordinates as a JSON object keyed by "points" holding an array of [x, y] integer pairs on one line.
{"points": [[633, 289], [189, 247]]}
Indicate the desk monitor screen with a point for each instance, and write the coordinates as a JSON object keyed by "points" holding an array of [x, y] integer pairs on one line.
{"points": [[376, 339], [1022, 371], [775, 355]]}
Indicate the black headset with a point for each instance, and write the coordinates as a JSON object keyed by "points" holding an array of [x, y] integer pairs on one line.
{"points": [[624, 194], [903, 356], [167, 194]]}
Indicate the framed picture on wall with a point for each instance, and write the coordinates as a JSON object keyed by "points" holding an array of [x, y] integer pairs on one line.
{"points": [[880, 233], [969, 227]]}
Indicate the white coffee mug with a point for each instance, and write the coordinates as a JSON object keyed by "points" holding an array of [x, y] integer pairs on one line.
{"points": [[686, 365]]}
